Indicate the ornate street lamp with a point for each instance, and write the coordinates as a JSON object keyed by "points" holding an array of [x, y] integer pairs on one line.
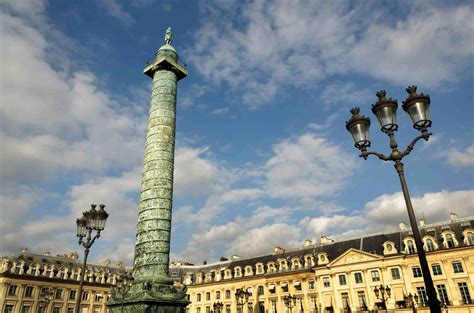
{"points": [[383, 293], [90, 220], [417, 106], [241, 297], [46, 295], [290, 301], [411, 301], [217, 306], [123, 284]]}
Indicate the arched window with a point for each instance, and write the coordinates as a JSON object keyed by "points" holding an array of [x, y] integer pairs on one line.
{"points": [[429, 245], [449, 241], [411, 247]]}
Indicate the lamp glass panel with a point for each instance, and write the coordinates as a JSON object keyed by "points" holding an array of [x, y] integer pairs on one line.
{"points": [[419, 113], [360, 134], [81, 230], [101, 223], [387, 117]]}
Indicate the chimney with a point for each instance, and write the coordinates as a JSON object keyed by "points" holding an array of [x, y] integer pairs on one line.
{"points": [[422, 222], [235, 257], [119, 263], [308, 242], [278, 249], [47, 253], [204, 263], [454, 217], [403, 226], [106, 262], [223, 259], [24, 250]]}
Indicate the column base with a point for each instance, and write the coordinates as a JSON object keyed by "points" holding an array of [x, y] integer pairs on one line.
{"points": [[149, 298]]}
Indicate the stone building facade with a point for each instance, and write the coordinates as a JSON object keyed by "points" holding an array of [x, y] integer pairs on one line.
{"points": [[341, 276], [31, 283]]}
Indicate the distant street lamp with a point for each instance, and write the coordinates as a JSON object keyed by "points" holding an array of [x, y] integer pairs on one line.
{"points": [[122, 287], [383, 293], [290, 301], [217, 306], [46, 295], [411, 301], [90, 220], [241, 297], [417, 106]]}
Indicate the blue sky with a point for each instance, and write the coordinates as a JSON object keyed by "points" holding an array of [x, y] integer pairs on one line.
{"points": [[263, 157]]}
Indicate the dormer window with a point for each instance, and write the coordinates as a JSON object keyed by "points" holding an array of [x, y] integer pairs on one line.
{"points": [[449, 240], [429, 245], [295, 264], [469, 238], [410, 246], [389, 248], [238, 272], [322, 258]]}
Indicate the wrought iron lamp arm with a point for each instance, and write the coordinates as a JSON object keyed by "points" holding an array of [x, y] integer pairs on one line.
{"points": [[411, 146], [364, 154]]}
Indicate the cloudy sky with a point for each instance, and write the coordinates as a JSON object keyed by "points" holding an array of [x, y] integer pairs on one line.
{"points": [[263, 157]]}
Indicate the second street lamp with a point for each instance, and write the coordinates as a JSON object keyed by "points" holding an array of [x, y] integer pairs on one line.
{"points": [[90, 220], [290, 301], [417, 106], [383, 293], [241, 297]]}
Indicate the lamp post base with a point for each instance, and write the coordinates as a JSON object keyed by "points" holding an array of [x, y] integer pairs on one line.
{"points": [[150, 298]]}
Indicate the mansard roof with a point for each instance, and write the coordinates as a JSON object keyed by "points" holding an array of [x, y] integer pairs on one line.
{"points": [[372, 244]]}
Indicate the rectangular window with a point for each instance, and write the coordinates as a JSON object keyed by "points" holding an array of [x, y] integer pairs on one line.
{"points": [[29, 292], [457, 267], [326, 282], [395, 273], [198, 297], [250, 308], [342, 280], [362, 301], [85, 296], [58, 294], [464, 291], [311, 284], [314, 305], [274, 306], [227, 294], [98, 297], [208, 296], [358, 278], [198, 310], [25, 309], [442, 294], [345, 300], [423, 297], [284, 287], [208, 309], [297, 286], [72, 295], [261, 307], [56, 309], [9, 308], [12, 290], [218, 295], [436, 269], [375, 276], [271, 289], [70, 310], [416, 272], [34, 270], [227, 308], [260, 290]]}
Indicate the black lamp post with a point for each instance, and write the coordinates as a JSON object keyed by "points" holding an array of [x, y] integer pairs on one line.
{"points": [[417, 106], [122, 287], [411, 301], [242, 297], [90, 220], [46, 296], [383, 293], [217, 306], [290, 301]]}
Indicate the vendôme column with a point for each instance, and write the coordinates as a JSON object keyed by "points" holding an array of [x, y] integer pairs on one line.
{"points": [[152, 290]]}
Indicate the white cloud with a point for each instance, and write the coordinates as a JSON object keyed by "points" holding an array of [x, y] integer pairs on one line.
{"points": [[346, 93], [435, 206], [115, 10], [264, 48], [309, 166], [461, 158], [220, 111]]}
